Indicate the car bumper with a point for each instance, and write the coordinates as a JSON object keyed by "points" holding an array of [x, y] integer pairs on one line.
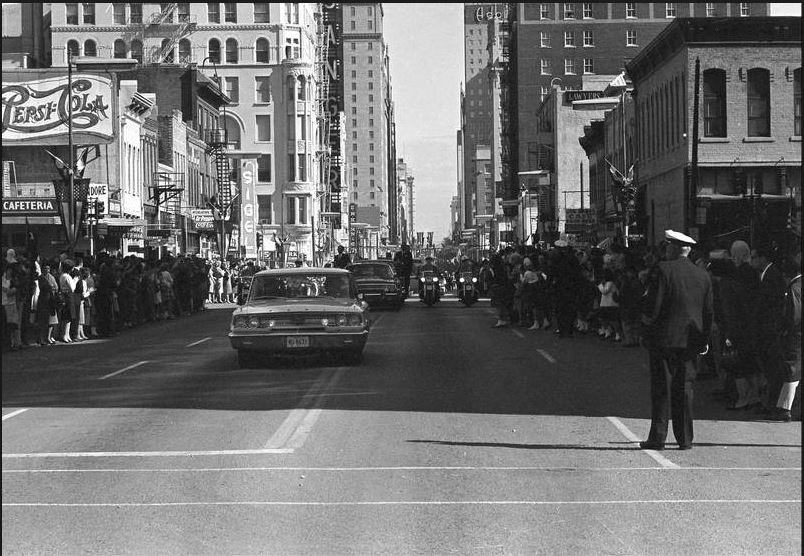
{"points": [[316, 342], [374, 298]]}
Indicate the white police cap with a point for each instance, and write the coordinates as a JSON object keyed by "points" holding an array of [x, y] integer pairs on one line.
{"points": [[679, 238]]}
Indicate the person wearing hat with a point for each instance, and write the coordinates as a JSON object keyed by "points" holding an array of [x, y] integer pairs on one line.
{"points": [[679, 323], [429, 265]]}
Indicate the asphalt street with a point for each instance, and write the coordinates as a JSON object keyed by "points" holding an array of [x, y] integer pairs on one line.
{"points": [[450, 438]]}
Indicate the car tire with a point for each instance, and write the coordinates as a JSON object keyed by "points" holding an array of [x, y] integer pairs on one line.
{"points": [[246, 360]]}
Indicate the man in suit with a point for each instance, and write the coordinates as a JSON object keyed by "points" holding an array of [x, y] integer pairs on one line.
{"points": [[679, 322], [770, 318]]}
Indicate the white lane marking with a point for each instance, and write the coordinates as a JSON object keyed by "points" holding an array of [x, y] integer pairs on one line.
{"points": [[134, 366], [305, 428], [518, 333], [660, 459], [376, 321], [198, 342], [402, 503], [378, 469], [145, 454], [14, 413], [546, 355], [299, 418]]}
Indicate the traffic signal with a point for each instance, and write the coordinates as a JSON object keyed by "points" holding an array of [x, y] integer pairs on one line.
{"points": [[100, 208], [259, 240]]}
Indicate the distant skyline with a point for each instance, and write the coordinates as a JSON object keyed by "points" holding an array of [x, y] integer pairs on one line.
{"points": [[427, 70]]}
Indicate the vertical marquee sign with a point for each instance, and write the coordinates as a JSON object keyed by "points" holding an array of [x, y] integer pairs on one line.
{"points": [[332, 17], [248, 217]]}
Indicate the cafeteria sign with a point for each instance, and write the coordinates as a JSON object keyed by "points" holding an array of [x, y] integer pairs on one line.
{"points": [[30, 207], [38, 109]]}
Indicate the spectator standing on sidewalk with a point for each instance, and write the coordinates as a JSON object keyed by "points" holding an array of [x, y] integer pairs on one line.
{"points": [[680, 322]]}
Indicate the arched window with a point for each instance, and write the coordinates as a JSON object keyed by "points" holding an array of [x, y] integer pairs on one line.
{"points": [[263, 51], [136, 50], [301, 90], [73, 48], [185, 51], [90, 48], [758, 102], [231, 51], [232, 132], [797, 102], [214, 50], [119, 48], [167, 52], [714, 103]]}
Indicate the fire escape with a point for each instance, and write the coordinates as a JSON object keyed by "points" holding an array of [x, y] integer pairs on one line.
{"points": [[163, 25], [508, 110]]}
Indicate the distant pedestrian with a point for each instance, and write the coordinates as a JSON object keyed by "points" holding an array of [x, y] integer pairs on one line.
{"points": [[680, 322], [342, 259]]}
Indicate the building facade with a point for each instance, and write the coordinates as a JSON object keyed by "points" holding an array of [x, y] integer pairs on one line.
{"points": [[735, 173], [369, 124]]}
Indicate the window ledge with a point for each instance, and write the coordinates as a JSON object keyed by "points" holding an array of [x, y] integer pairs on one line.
{"points": [[714, 140], [796, 139], [759, 140]]}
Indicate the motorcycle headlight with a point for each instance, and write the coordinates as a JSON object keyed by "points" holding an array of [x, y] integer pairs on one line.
{"points": [[421, 279], [462, 280], [474, 279]]}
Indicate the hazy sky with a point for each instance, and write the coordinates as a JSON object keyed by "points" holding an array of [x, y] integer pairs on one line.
{"points": [[426, 57]]}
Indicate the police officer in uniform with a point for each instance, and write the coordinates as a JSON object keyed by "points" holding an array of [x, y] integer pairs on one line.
{"points": [[678, 323]]}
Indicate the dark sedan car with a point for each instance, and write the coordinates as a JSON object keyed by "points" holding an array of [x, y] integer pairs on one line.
{"points": [[378, 282]]}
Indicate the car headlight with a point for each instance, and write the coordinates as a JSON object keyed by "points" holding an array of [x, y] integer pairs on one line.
{"points": [[254, 322], [240, 322], [355, 320], [342, 320], [324, 322]]}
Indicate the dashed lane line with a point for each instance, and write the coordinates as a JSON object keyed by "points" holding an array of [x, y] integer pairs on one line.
{"points": [[198, 342], [14, 413], [660, 459], [134, 366], [546, 355]]}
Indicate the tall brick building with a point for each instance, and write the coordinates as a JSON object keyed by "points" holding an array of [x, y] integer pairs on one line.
{"points": [[747, 179], [564, 43]]}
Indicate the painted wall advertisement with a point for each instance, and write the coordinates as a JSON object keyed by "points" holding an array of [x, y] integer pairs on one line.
{"points": [[39, 109], [248, 220]]}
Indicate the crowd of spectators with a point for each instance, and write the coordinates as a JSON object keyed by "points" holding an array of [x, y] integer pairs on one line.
{"points": [[755, 344], [64, 300]]}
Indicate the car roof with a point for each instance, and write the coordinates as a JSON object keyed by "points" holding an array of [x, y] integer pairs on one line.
{"points": [[301, 271]]}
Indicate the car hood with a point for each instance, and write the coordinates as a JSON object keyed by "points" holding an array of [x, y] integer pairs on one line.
{"points": [[374, 281], [270, 306]]}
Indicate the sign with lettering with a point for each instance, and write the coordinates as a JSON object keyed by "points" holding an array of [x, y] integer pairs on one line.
{"points": [[248, 218], [203, 219], [497, 12], [571, 96], [32, 207], [332, 18], [40, 109], [100, 191]]}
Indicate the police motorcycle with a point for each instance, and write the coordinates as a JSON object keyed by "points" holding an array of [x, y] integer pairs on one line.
{"points": [[467, 288], [429, 287]]}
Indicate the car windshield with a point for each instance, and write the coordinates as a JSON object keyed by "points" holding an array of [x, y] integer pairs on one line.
{"points": [[300, 286], [382, 271]]}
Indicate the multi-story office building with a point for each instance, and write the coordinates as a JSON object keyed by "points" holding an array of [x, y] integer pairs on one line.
{"points": [[263, 55], [369, 120], [26, 37], [405, 193]]}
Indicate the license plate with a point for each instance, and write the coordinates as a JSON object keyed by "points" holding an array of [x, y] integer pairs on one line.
{"points": [[297, 341]]}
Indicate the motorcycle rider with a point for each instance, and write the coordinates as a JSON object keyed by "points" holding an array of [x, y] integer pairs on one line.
{"points": [[466, 265], [429, 265]]}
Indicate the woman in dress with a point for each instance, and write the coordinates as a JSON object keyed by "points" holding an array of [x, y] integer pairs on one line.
{"points": [[66, 293]]}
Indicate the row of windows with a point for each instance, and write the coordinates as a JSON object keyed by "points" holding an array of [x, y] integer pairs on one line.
{"points": [[296, 209], [588, 39], [232, 51], [758, 103], [546, 66], [127, 13], [354, 58], [632, 10]]}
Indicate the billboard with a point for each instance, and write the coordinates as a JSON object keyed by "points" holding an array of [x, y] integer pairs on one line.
{"points": [[332, 18], [39, 110], [248, 217]]}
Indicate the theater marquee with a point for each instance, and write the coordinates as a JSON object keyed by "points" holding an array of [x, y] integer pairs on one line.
{"points": [[39, 109]]}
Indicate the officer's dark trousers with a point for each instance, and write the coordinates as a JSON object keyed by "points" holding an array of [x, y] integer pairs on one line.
{"points": [[673, 369]]}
